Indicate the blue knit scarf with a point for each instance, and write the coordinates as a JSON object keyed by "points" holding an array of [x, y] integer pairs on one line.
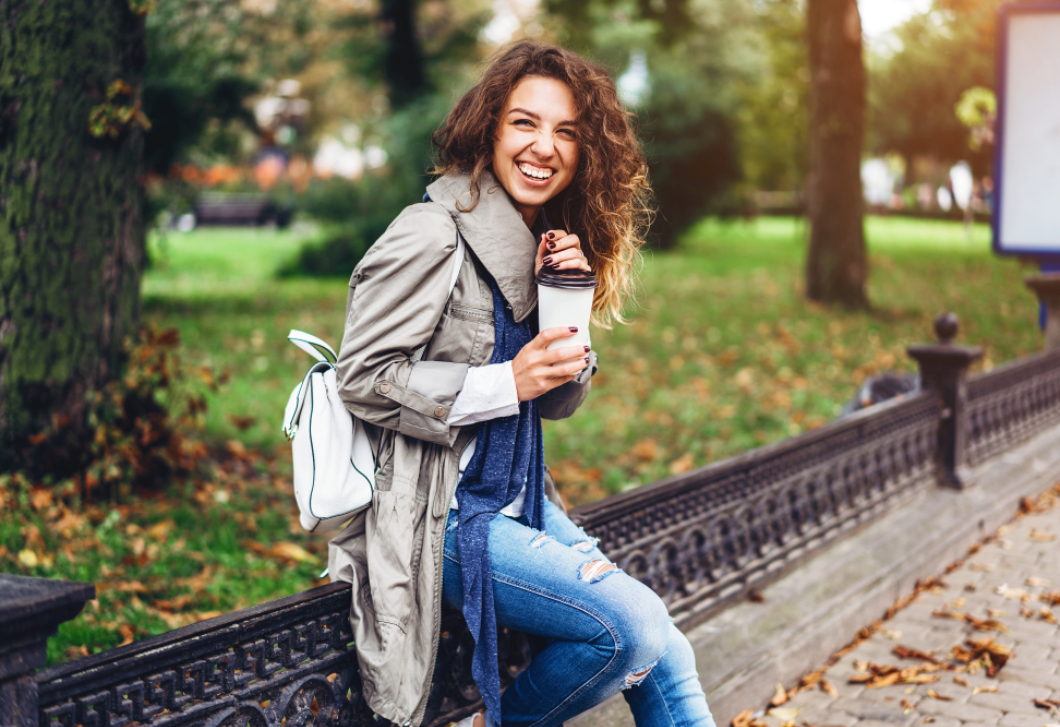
{"points": [[508, 454]]}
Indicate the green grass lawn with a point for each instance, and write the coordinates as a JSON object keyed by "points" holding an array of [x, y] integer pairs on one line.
{"points": [[723, 354]]}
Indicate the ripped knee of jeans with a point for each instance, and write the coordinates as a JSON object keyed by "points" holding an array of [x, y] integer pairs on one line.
{"points": [[636, 676], [596, 570], [540, 539]]}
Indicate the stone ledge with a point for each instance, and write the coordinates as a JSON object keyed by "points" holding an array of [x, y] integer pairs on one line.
{"points": [[814, 610]]}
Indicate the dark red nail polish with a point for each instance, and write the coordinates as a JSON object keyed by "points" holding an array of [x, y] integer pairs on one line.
{"points": [[586, 359], [547, 260], [552, 235], [574, 329], [587, 351], [551, 246]]}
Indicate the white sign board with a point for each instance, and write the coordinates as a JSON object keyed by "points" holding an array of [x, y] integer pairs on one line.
{"points": [[1027, 164]]}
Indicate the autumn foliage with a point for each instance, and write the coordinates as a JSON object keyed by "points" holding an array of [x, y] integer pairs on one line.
{"points": [[136, 433]]}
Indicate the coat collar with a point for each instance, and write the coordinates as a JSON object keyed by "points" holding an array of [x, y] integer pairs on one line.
{"points": [[497, 235]]}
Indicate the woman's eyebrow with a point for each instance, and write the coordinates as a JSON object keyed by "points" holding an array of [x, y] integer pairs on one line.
{"points": [[537, 117]]}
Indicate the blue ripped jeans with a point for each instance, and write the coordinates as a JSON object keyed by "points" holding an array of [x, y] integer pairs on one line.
{"points": [[606, 631]]}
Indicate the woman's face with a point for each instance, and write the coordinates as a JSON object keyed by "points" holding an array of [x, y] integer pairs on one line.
{"points": [[535, 154]]}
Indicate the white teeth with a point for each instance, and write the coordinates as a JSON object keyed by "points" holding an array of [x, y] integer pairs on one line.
{"points": [[535, 172]]}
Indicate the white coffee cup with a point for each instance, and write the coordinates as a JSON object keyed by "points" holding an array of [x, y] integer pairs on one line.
{"points": [[565, 299]]}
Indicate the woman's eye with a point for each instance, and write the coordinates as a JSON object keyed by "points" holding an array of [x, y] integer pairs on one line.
{"points": [[523, 122], [570, 133]]}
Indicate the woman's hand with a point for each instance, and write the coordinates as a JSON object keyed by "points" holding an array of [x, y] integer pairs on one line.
{"points": [[538, 370], [560, 251]]}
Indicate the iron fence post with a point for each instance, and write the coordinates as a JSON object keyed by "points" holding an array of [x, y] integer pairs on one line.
{"points": [[31, 610], [944, 370]]}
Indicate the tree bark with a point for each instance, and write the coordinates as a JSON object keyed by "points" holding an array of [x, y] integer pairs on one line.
{"points": [[403, 63], [71, 207], [836, 264]]}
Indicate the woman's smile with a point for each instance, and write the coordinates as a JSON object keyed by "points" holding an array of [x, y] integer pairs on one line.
{"points": [[535, 153]]}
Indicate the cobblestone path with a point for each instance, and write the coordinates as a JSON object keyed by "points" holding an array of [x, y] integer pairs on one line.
{"points": [[1006, 590]]}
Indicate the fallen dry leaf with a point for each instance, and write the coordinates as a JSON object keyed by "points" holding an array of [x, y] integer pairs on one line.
{"points": [[907, 653], [746, 718], [1017, 594], [1052, 598], [979, 624], [829, 688], [1046, 614], [1041, 537], [962, 681], [984, 688], [984, 567], [204, 615], [127, 634], [1034, 581], [907, 706], [783, 714], [780, 696], [291, 551], [995, 612], [942, 697], [1050, 704]]}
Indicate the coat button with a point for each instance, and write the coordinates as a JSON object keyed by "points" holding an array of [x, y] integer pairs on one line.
{"points": [[384, 388], [440, 412]]}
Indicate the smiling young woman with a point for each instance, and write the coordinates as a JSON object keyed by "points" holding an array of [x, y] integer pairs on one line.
{"points": [[538, 168]]}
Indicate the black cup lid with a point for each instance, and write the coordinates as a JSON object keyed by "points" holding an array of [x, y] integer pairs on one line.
{"points": [[567, 279]]}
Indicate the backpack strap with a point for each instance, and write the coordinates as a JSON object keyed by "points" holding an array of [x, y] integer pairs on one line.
{"points": [[312, 345]]}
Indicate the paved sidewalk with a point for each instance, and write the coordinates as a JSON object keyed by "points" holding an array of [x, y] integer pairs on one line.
{"points": [[993, 612]]}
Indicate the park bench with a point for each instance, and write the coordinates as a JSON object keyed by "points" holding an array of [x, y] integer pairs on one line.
{"points": [[703, 540], [221, 208]]}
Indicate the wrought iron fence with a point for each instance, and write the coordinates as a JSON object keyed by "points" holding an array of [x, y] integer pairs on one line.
{"points": [[701, 540], [1011, 404]]}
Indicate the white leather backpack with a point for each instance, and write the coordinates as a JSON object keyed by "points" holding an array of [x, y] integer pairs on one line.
{"points": [[334, 466]]}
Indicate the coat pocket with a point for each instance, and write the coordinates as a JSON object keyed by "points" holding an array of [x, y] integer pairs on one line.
{"points": [[394, 550]]}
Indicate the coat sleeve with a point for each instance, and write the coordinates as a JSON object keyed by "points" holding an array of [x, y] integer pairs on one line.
{"points": [[563, 401], [397, 295]]}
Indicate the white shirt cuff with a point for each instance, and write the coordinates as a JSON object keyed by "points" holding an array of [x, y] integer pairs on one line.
{"points": [[489, 393]]}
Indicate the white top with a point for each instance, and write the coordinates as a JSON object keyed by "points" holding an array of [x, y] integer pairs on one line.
{"points": [[489, 393]]}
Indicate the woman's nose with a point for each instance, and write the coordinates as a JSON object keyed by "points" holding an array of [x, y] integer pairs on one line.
{"points": [[543, 145]]}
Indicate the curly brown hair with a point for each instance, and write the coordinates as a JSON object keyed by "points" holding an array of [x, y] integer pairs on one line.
{"points": [[608, 203]]}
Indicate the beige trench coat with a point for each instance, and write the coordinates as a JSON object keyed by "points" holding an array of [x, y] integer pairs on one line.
{"points": [[398, 301]]}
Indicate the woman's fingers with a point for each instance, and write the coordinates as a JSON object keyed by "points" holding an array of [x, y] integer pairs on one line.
{"points": [[564, 252], [549, 335]]}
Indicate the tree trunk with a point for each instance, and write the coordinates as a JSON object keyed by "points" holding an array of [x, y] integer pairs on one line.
{"points": [[403, 63], [71, 212], [836, 264]]}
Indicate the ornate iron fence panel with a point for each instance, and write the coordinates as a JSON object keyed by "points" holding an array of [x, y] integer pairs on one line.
{"points": [[703, 539], [289, 661], [1011, 404], [286, 662]]}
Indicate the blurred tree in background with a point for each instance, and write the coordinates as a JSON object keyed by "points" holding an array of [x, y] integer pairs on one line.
{"points": [[196, 77], [913, 92], [774, 103], [695, 52], [413, 58], [836, 261], [72, 231]]}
